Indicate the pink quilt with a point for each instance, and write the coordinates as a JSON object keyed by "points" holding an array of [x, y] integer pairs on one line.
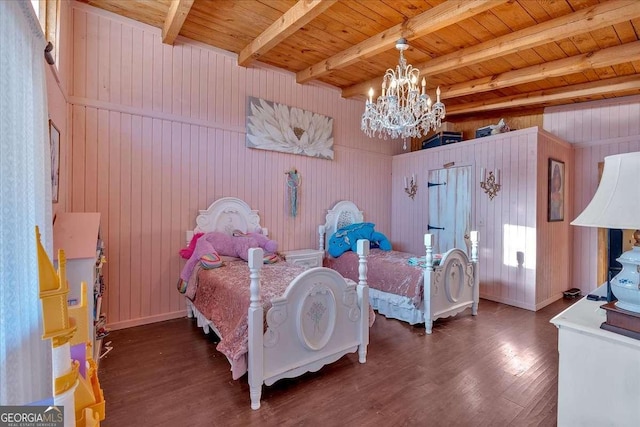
{"points": [[388, 271], [222, 295]]}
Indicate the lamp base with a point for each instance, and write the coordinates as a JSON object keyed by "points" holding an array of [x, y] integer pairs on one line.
{"points": [[626, 285]]}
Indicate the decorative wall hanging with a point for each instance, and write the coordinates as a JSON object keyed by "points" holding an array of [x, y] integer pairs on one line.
{"points": [[411, 186], [277, 127], [490, 182], [293, 183], [556, 190]]}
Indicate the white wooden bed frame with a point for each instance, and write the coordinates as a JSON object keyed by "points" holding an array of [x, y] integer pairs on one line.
{"points": [[292, 344], [449, 288]]}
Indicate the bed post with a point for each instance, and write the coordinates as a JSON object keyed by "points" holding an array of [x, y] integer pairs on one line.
{"points": [[476, 273], [428, 244], [256, 329], [321, 230], [363, 296]]}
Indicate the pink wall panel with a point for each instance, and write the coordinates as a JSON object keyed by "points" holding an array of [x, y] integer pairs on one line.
{"points": [[159, 133], [596, 129]]}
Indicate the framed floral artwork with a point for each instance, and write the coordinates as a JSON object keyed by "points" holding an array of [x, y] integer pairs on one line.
{"points": [[54, 145], [556, 190], [278, 127]]}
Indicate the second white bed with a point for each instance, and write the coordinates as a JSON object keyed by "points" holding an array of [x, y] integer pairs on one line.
{"points": [[436, 288]]}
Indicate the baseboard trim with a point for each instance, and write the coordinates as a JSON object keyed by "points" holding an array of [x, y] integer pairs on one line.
{"points": [[518, 304], [548, 301], [507, 302], [147, 320]]}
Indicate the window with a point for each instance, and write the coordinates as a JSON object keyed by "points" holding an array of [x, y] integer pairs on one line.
{"points": [[48, 13]]}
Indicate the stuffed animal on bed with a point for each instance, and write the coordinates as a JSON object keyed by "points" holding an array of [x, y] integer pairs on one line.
{"points": [[347, 237], [207, 248], [269, 246], [188, 251]]}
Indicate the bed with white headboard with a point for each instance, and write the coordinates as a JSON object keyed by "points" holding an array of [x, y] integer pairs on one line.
{"points": [[412, 288], [313, 317]]}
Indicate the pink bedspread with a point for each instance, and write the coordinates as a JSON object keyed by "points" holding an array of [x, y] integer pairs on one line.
{"points": [[388, 271], [222, 295]]}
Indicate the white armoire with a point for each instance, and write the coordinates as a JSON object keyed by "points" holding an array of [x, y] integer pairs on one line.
{"points": [[524, 258]]}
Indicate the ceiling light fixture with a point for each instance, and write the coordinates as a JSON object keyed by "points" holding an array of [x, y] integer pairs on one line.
{"points": [[402, 110]]}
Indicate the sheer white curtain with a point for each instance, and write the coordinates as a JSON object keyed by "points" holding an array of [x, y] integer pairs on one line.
{"points": [[25, 201]]}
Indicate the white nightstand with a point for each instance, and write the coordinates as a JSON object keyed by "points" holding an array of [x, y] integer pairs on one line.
{"points": [[304, 257]]}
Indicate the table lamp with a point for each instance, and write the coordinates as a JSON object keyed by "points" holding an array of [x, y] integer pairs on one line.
{"points": [[616, 204]]}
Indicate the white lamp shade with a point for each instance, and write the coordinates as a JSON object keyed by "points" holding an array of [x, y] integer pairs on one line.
{"points": [[616, 203]]}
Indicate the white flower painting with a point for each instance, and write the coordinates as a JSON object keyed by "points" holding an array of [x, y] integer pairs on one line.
{"points": [[277, 127]]}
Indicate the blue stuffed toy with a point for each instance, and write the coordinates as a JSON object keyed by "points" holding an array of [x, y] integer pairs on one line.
{"points": [[347, 238]]}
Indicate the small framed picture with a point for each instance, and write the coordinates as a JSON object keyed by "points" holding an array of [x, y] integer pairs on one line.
{"points": [[54, 145], [556, 190]]}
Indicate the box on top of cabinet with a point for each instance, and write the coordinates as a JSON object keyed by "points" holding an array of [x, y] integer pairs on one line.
{"points": [[442, 138]]}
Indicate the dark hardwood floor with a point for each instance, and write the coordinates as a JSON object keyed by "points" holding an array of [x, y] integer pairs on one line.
{"points": [[499, 368]]}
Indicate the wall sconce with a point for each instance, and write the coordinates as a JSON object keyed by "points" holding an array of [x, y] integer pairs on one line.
{"points": [[490, 183], [411, 186]]}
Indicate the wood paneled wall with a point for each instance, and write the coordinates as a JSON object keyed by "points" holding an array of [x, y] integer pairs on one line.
{"points": [[554, 238], [508, 224], [596, 129], [159, 132]]}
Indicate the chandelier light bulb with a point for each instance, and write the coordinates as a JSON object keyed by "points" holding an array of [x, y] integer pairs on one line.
{"points": [[370, 94]]}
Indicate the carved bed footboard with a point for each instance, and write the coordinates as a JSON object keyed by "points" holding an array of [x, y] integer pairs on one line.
{"points": [[451, 286], [319, 318]]}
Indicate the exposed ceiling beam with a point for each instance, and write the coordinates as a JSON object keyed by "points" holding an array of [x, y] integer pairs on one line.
{"points": [[561, 67], [295, 18], [441, 16], [176, 16], [582, 21], [626, 84]]}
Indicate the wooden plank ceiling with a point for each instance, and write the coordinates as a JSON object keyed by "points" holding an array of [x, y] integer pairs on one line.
{"points": [[488, 57]]}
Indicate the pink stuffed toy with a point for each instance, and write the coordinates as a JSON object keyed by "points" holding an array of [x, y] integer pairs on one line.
{"points": [[270, 246], [225, 245], [188, 251]]}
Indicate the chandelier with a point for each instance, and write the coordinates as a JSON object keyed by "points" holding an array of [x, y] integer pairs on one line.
{"points": [[402, 110]]}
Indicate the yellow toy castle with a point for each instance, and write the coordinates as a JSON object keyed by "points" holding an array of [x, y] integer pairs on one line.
{"points": [[80, 395]]}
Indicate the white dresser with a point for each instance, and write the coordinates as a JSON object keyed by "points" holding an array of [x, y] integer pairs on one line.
{"points": [[305, 257], [599, 371]]}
